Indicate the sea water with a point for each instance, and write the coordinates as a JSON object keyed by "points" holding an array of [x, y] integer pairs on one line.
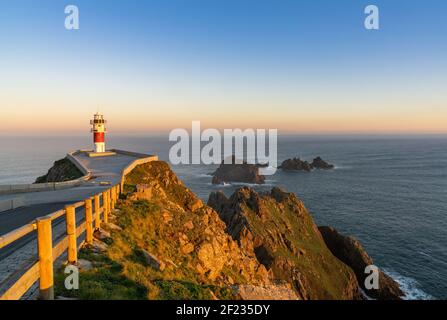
{"points": [[390, 192]]}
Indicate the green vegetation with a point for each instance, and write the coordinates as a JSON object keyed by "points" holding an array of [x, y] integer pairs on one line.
{"points": [[123, 273], [178, 290], [62, 170], [105, 281], [169, 245], [287, 241], [302, 245]]}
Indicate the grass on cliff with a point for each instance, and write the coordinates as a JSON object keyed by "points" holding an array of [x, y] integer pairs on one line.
{"points": [[62, 170], [160, 172], [122, 274], [299, 233], [105, 281]]}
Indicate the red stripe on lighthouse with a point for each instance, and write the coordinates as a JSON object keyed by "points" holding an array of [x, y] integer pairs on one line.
{"points": [[98, 137]]}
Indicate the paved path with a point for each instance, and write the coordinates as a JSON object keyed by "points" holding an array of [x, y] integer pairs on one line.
{"points": [[104, 169], [37, 204]]}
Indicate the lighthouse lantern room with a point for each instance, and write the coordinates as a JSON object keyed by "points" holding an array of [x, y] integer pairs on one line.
{"points": [[99, 130]]}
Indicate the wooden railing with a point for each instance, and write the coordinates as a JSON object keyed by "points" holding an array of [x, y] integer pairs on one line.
{"points": [[42, 269]]}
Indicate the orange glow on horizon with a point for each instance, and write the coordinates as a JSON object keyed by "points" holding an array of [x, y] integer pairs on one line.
{"points": [[128, 123]]}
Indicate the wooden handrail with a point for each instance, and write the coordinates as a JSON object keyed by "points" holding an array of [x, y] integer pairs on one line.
{"points": [[21, 286], [79, 204], [42, 270], [17, 234], [57, 214]]}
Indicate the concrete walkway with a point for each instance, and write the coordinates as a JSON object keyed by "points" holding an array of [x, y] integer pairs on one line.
{"points": [[104, 169]]}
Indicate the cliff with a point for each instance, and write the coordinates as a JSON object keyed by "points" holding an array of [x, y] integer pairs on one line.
{"points": [[276, 228], [165, 243], [351, 252], [62, 170]]}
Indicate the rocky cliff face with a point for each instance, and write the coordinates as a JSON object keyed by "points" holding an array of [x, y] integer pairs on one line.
{"points": [[351, 252], [277, 229], [167, 221], [165, 243], [62, 170]]}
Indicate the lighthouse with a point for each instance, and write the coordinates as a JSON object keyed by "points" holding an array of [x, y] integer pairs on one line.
{"points": [[99, 130]]}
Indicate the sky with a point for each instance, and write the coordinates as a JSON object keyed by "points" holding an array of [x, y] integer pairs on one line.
{"points": [[305, 66]]}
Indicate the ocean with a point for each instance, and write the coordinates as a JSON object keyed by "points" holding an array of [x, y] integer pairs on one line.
{"points": [[390, 192]]}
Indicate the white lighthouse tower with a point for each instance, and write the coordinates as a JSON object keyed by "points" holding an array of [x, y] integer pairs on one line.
{"points": [[99, 130]]}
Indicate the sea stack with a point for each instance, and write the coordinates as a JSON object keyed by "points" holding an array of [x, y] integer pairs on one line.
{"points": [[237, 171]]}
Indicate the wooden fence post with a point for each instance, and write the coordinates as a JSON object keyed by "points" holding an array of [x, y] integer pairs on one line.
{"points": [[109, 200], [88, 221], [112, 193], [112, 198], [71, 233], [97, 213], [105, 204], [45, 249]]}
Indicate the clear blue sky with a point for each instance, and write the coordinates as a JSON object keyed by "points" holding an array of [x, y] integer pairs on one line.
{"points": [[295, 65]]}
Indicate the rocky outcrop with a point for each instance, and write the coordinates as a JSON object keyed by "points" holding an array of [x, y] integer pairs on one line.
{"points": [[152, 261], [164, 218], [237, 172], [296, 164], [62, 170], [319, 163], [351, 252], [168, 244], [276, 228]]}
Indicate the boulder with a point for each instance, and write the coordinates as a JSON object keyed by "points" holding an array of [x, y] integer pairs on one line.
{"points": [[99, 246], [188, 248], [212, 258], [152, 261], [102, 235], [85, 264], [113, 226]]}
